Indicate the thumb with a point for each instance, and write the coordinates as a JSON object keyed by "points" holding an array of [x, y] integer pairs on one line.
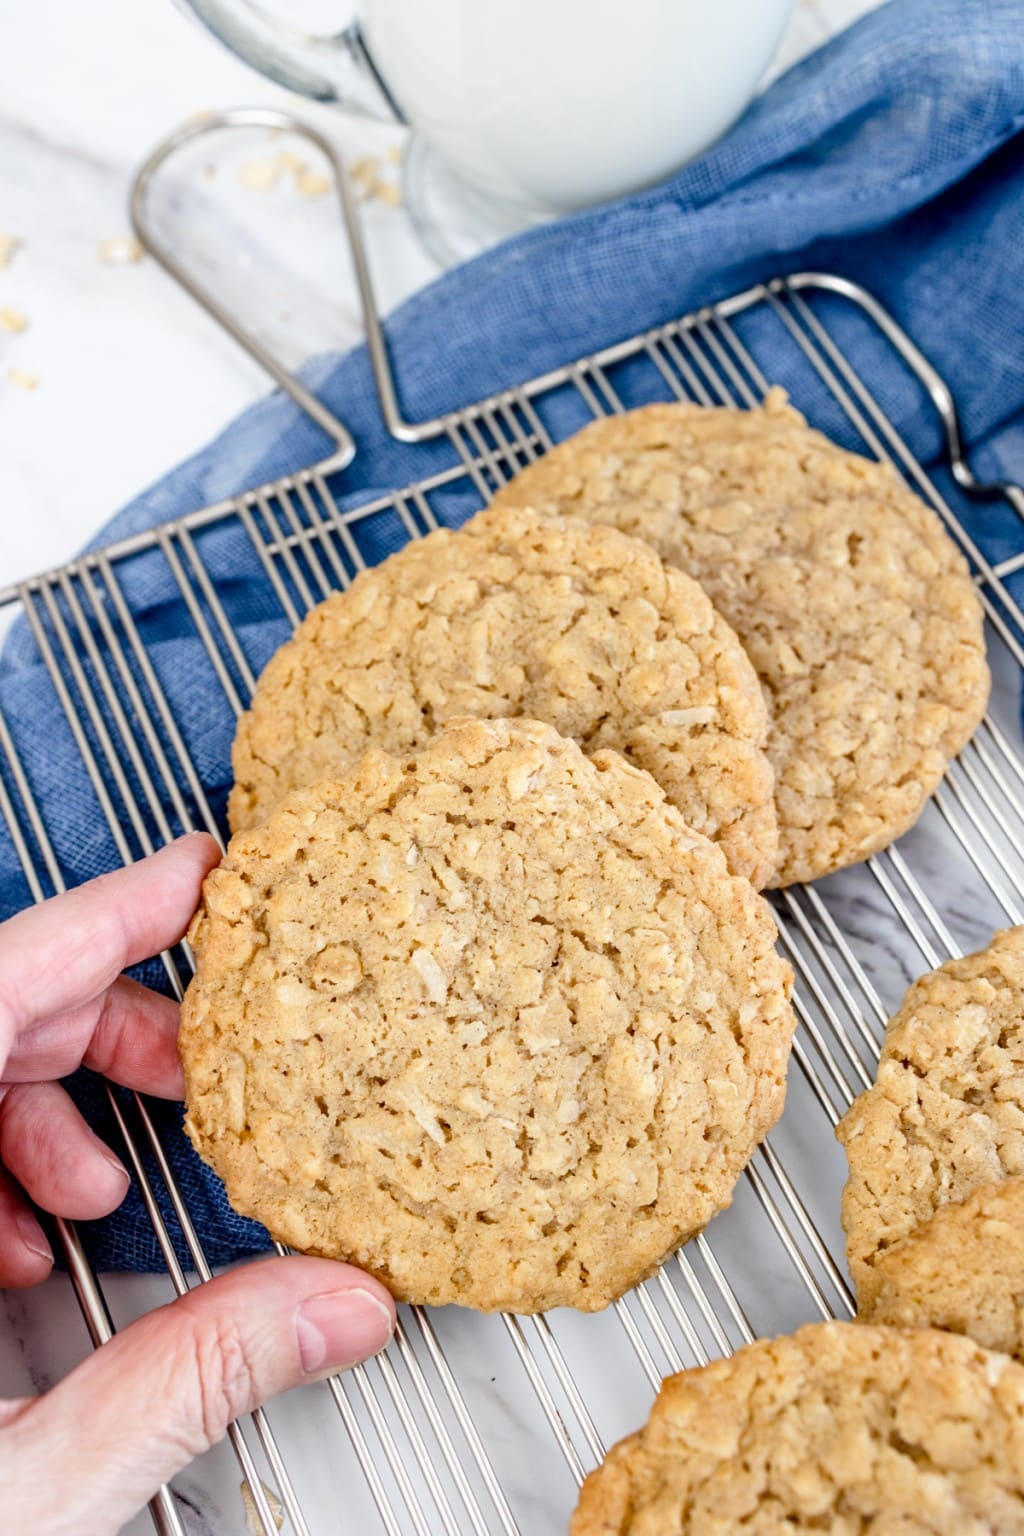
{"points": [[133, 1414]]}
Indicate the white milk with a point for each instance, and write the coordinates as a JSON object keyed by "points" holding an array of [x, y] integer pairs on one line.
{"points": [[556, 104]]}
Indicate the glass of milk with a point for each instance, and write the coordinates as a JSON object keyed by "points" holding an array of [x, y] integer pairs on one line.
{"points": [[522, 110]]}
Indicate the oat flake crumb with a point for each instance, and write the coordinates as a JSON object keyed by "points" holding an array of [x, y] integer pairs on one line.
{"points": [[365, 170], [13, 320], [260, 175], [9, 245], [311, 183], [120, 251], [21, 378]]}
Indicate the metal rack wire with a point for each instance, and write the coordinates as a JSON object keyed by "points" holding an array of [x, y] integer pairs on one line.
{"points": [[419, 1442]]}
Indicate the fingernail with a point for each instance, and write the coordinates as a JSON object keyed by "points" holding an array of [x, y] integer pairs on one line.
{"points": [[117, 1165], [32, 1236], [340, 1328]]}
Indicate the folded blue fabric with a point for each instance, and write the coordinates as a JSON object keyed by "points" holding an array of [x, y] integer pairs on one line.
{"points": [[894, 155]]}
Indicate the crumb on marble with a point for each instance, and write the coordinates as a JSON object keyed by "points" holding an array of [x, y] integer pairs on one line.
{"points": [[9, 246], [264, 175], [23, 378], [368, 183], [260, 175], [365, 171], [120, 251], [365, 168], [13, 320], [311, 183]]}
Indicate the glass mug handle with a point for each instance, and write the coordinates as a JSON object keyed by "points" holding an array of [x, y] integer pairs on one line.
{"points": [[336, 68]]}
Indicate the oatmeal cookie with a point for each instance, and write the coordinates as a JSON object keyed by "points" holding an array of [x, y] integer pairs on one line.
{"points": [[488, 1020], [963, 1270], [556, 620], [837, 1428], [946, 1113], [852, 601]]}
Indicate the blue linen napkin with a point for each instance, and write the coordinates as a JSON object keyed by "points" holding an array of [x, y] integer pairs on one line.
{"points": [[894, 155]]}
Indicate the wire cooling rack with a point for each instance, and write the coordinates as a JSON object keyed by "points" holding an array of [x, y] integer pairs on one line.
{"points": [[469, 1426]]}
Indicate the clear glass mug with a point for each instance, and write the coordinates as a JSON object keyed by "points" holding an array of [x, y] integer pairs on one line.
{"points": [[524, 109]]}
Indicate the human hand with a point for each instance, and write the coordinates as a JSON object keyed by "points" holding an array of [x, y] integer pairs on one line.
{"points": [[86, 1456]]}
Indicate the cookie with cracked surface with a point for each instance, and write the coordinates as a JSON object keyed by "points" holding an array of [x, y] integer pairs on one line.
{"points": [[837, 1428], [555, 620], [963, 1270], [488, 1020], [946, 1112], [852, 601]]}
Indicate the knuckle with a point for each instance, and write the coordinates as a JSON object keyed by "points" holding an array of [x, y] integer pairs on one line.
{"points": [[28, 1136], [22, 1128], [222, 1373], [105, 1043]]}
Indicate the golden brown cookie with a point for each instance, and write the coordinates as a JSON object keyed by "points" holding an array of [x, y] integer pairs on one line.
{"points": [[488, 1020], [556, 620], [853, 603], [946, 1113], [835, 1429], [962, 1270]]}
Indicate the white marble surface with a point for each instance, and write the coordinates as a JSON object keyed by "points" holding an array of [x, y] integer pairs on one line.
{"points": [[130, 379]]}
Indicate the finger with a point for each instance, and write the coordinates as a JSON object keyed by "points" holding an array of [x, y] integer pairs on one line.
{"points": [[63, 1165], [165, 1389], [58, 955], [130, 1034], [25, 1256]]}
